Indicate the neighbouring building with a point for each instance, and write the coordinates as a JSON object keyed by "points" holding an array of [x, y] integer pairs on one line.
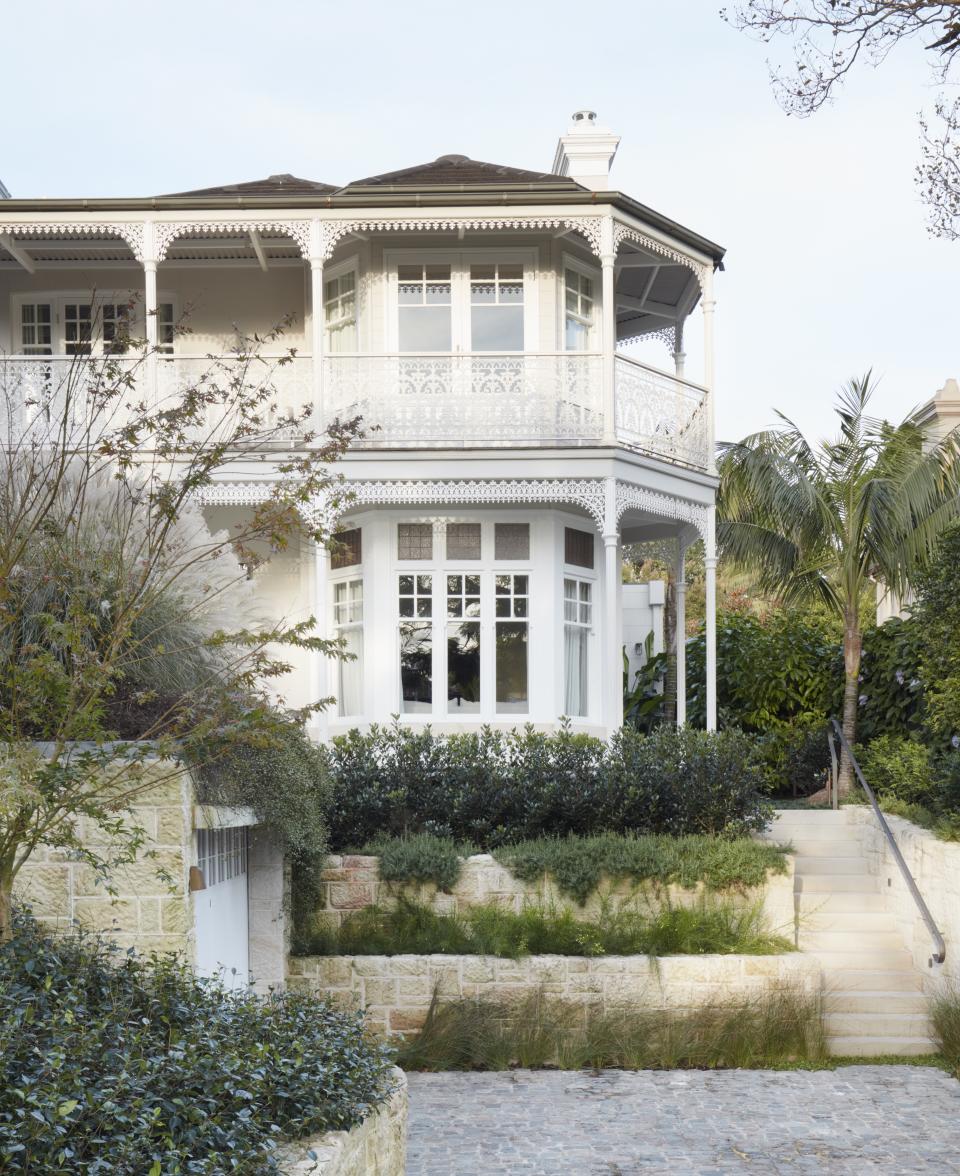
{"points": [[480, 318]]}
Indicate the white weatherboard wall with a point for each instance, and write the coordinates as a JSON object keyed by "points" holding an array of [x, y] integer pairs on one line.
{"points": [[642, 615]]}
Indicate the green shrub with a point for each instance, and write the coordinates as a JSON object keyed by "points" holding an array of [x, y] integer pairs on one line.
{"points": [[420, 858], [113, 1064], [898, 768], [780, 1025], [577, 864], [945, 1016], [410, 928], [795, 759], [491, 788]]}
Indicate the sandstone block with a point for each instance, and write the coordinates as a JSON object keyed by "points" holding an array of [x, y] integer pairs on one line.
{"points": [[350, 896], [406, 1020], [478, 970], [171, 827], [361, 862], [175, 915], [100, 914], [334, 971], [379, 992], [45, 888]]}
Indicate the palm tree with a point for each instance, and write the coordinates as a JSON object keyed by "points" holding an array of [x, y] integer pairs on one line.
{"points": [[826, 522]]}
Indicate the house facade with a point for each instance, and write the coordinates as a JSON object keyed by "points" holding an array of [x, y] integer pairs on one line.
{"points": [[479, 319]]}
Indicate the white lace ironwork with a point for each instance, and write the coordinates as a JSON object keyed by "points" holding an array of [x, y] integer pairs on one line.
{"points": [[290, 382], [479, 399], [661, 414], [166, 232], [129, 231], [622, 232], [630, 496], [331, 231]]}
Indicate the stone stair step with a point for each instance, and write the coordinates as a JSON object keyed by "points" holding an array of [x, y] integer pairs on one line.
{"points": [[846, 921], [872, 959], [854, 902], [818, 883], [866, 979], [830, 865], [875, 1047], [867, 1001], [876, 1024], [849, 941]]}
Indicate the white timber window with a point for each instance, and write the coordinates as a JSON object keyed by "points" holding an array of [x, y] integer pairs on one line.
{"points": [[579, 306], [577, 624], [463, 613], [476, 301], [346, 557], [78, 324], [340, 309]]}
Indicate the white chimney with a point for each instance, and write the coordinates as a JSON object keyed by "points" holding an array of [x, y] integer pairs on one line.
{"points": [[586, 151]]}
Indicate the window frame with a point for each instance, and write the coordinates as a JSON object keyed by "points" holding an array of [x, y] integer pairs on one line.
{"points": [[488, 567], [571, 572], [58, 300], [333, 273], [346, 577], [460, 261], [594, 341]]}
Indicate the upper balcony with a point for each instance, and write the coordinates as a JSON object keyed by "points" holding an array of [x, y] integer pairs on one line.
{"points": [[447, 332]]}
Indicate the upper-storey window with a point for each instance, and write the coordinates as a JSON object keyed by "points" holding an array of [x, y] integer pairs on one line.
{"points": [[71, 324], [480, 301], [340, 311], [579, 309], [425, 303], [496, 307]]}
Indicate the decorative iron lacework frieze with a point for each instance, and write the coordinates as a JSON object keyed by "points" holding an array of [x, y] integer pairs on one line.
{"points": [[331, 231], [128, 231], [586, 493], [166, 232], [629, 496], [622, 232]]}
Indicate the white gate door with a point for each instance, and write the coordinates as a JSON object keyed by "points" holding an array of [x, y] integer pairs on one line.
{"points": [[220, 911]]}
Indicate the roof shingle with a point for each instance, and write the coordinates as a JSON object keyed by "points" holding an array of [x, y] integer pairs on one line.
{"points": [[460, 170], [279, 185]]}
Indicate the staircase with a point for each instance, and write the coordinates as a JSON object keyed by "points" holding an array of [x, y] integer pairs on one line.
{"points": [[874, 1002]]}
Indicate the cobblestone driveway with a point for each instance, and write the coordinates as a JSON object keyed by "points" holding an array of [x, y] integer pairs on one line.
{"points": [[849, 1122]]}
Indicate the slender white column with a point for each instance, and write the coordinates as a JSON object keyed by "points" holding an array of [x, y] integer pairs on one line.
{"points": [[681, 637], [316, 327], [710, 562], [612, 659], [679, 357], [609, 334], [709, 368], [151, 326]]}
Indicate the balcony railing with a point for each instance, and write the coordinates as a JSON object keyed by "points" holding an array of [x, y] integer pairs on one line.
{"points": [[488, 399], [425, 401]]}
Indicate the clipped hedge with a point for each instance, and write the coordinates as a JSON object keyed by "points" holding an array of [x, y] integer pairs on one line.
{"points": [[492, 788], [114, 1064]]}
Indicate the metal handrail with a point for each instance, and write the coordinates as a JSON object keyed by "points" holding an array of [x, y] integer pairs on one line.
{"points": [[941, 948]]}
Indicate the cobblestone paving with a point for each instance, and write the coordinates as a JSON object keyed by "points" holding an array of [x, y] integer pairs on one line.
{"points": [[855, 1121]]}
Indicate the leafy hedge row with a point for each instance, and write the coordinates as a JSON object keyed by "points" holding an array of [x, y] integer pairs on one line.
{"points": [[112, 1064], [492, 788]]}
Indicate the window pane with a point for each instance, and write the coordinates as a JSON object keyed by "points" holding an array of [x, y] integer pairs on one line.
{"points": [[511, 667], [463, 541], [425, 328], [511, 541], [463, 668], [350, 693], [415, 541], [575, 670], [511, 273], [577, 336], [346, 549], [496, 328], [578, 547], [416, 668]]}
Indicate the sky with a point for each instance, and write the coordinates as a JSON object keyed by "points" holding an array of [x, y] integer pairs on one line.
{"points": [[829, 270]]}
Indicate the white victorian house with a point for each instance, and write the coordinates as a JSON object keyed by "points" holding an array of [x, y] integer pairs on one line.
{"points": [[478, 317]]}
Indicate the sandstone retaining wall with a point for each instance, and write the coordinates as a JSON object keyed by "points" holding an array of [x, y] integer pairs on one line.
{"points": [[396, 990], [375, 1147], [935, 866], [351, 882]]}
